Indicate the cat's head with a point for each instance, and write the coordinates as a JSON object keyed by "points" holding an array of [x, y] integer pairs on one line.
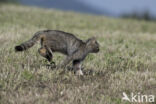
{"points": [[93, 45]]}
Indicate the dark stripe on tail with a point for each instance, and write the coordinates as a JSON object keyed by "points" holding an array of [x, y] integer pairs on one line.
{"points": [[19, 48]]}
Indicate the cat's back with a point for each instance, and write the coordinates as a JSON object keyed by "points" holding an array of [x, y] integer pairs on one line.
{"points": [[61, 36]]}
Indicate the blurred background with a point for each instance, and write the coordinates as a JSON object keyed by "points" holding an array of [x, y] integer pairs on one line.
{"points": [[136, 9]]}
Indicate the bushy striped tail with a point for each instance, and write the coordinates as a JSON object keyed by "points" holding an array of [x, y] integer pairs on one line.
{"points": [[29, 43]]}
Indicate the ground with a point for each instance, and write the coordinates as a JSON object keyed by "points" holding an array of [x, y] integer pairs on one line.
{"points": [[126, 61]]}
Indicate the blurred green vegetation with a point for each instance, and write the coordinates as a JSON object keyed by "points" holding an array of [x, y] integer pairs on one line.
{"points": [[140, 16]]}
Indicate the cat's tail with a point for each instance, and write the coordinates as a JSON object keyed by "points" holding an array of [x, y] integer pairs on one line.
{"points": [[28, 44]]}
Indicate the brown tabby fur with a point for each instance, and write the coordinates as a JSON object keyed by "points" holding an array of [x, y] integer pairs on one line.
{"points": [[58, 41]]}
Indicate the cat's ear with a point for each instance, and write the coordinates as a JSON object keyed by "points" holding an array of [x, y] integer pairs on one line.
{"points": [[91, 39]]}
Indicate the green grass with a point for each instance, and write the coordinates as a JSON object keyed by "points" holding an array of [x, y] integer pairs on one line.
{"points": [[126, 61]]}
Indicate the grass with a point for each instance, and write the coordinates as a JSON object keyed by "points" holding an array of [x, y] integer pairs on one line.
{"points": [[126, 61]]}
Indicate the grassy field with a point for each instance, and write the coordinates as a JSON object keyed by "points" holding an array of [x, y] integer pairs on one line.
{"points": [[126, 61]]}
